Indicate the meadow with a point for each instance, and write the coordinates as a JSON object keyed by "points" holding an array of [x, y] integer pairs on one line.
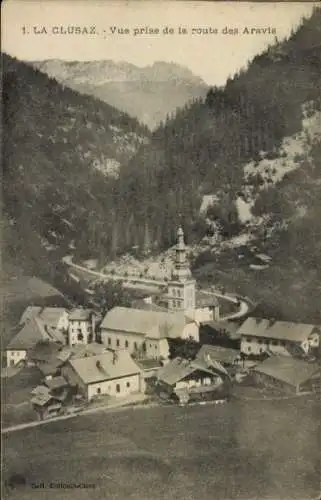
{"points": [[238, 450]]}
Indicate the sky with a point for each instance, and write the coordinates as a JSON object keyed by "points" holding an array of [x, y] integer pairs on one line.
{"points": [[214, 57]]}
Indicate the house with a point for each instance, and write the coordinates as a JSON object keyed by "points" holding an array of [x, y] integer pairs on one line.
{"points": [[82, 326], [145, 332], [43, 352], [113, 373], [50, 363], [59, 388], [54, 318], [260, 336], [289, 374], [44, 403], [32, 332], [188, 380], [50, 358]]}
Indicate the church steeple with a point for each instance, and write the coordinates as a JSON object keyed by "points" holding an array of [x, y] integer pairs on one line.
{"points": [[181, 268], [181, 288]]}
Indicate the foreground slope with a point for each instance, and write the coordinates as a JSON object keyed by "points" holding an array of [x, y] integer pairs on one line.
{"points": [[238, 450]]}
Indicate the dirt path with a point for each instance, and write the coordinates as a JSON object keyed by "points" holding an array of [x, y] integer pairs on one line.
{"points": [[136, 400]]}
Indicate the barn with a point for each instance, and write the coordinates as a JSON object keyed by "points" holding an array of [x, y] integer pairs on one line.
{"points": [[291, 375]]}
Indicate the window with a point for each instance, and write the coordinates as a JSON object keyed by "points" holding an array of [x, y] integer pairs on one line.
{"points": [[249, 349], [127, 384], [80, 336], [126, 343], [135, 345], [144, 346], [248, 339], [274, 342], [98, 390], [117, 388], [109, 341], [117, 342], [178, 293]]}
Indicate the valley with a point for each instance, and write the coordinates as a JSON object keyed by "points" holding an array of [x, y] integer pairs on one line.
{"points": [[92, 182], [161, 278]]}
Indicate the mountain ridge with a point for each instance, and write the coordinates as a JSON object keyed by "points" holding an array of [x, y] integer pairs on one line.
{"points": [[157, 89]]}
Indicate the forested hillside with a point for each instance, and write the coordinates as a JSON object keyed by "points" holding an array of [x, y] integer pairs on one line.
{"points": [[62, 153], [55, 193]]}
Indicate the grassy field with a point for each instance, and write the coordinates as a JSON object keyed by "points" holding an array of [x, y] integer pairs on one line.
{"points": [[240, 450]]}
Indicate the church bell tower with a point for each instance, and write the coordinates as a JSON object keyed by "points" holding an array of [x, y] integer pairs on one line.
{"points": [[181, 287]]}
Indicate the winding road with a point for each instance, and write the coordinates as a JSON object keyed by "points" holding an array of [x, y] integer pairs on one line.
{"points": [[245, 304]]}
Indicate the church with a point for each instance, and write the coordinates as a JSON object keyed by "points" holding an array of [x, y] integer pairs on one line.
{"points": [[144, 330], [182, 294]]}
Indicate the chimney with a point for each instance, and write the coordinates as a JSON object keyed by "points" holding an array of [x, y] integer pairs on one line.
{"points": [[115, 357], [99, 366]]}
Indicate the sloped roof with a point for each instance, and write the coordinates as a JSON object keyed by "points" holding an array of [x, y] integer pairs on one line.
{"points": [[80, 314], [290, 370], [44, 351], [55, 334], [254, 327], [146, 306], [28, 313], [152, 324], [203, 299], [149, 364], [31, 333], [100, 368], [291, 331], [40, 390], [82, 351], [41, 400], [281, 330], [51, 367], [51, 315], [223, 354], [180, 368], [56, 383]]}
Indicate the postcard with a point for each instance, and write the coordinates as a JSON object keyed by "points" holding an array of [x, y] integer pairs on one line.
{"points": [[161, 248]]}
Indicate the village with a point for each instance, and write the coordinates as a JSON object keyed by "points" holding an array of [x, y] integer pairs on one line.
{"points": [[178, 349]]}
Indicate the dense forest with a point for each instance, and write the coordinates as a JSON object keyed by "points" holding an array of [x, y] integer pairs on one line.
{"points": [[203, 148], [53, 136], [53, 141]]}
